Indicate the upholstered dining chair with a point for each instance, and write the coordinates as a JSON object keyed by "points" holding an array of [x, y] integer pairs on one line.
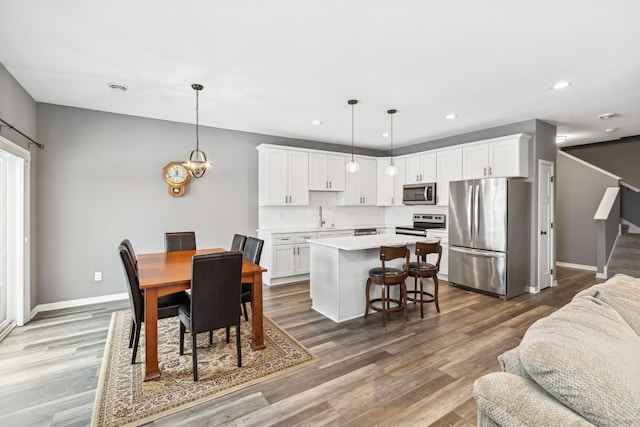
{"points": [[180, 241], [421, 269], [214, 301], [167, 305], [238, 242], [386, 276], [129, 246], [252, 252]]}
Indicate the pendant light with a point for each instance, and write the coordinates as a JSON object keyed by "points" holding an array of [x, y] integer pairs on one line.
{"points": [[197, 163], [352, 165], [392, 169]]}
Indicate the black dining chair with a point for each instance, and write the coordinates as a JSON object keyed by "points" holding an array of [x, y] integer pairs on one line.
{"points": [[214, 302], [180, 241], [129, 246], [167, 305], [252, 252], [238, 242]]}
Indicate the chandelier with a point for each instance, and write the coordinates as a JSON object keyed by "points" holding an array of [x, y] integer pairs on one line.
{"points": [[197, 165]]}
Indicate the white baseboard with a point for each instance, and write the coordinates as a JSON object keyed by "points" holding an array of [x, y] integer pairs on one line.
{"points": [[533, 289], [578, 266], [77, 303]]}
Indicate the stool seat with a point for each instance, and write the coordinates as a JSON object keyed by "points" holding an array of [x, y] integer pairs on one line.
{"points": [[385, 277], [422, 267]]}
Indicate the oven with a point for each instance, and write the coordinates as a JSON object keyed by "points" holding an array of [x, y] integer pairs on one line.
{"points": [[422, 223]]}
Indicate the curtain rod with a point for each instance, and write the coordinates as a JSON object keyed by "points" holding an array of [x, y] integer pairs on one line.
{"points": [[31, 140]]}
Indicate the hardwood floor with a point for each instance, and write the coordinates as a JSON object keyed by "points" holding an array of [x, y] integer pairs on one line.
{"points": [[415, 373]]}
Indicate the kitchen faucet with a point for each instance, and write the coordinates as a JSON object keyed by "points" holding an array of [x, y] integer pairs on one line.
{"points": [[321, 220]]}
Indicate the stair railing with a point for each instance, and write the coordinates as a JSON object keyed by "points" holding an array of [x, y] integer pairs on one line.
{"points": [[607, 218]]}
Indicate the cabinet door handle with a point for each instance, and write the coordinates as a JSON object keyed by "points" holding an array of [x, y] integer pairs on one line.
{"points": [[490, 171], [417, 178], [329, 184], [420, 177], [294, 250], [326, 184], [298, 250], [485, 172], [392, 200]]}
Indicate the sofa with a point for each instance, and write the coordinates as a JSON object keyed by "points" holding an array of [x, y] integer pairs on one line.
{"points": [[579, 366]]}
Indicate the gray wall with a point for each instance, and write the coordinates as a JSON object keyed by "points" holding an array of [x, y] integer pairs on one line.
{"points": [[18, 108], [100, 180], [621, 158], [579, 190]]}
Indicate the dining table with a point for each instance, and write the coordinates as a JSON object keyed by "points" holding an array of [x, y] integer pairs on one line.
{"points": [[165, 273]]}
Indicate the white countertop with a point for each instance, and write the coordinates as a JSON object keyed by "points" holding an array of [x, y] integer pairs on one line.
{"points": [[325, 228], [356, 243]]}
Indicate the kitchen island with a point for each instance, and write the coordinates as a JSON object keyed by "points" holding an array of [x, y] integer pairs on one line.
{"points": [[340, 268]]}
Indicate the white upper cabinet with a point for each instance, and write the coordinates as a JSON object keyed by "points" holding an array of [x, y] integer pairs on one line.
{"points": [[421, 168], [498, 157], [284, 177], [390, 187], [449, 168], [327, 172], [361, 187]]}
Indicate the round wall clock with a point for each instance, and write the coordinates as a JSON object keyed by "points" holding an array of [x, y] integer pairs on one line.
{"points": [[177, 176]]}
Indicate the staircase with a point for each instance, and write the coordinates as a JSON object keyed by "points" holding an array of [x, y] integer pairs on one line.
{"points": [[625, 257]]}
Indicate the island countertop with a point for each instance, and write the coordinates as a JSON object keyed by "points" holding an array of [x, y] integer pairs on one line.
{"points": [[357, 243]]}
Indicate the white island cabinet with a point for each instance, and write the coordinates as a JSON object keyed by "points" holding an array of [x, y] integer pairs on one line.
{"points": [[340, 268]]}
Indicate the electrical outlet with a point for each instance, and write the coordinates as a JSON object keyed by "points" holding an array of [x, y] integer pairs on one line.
{"points": [[97, 276]]}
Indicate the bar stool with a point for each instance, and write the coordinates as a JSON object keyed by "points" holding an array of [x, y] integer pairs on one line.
{"points": [[421, 269], [386, 277]]}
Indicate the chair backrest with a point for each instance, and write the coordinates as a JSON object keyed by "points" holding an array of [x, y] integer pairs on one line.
{"points": [[129, 247], [389, 253], [253, 250], [425, 248], [215, 291], [180, 241], [136, 299], [237, 244]]}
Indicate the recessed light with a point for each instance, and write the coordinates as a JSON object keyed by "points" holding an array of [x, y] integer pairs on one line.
{"points": [[560, 85], [316, 122], [118, 87], [606, 116], [609, 130], [560, 139], [450, 116], [386, 134]]}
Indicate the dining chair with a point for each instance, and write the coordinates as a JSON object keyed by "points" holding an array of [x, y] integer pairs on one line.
{"points": [[129, 246], [387, 276], [252, 252], [238, 242], [214, 301], [167, 305], [180, 241], [421, 269]]}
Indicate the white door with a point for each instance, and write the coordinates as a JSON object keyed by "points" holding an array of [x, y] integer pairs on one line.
{"points": [[284, 257], [303, 261], [545, 224], [337, 169], [298, 178], [318, 179], [449, 168], [474, 161], [3, 277]]}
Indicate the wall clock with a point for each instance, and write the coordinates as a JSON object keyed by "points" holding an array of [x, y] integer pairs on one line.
{"points": [[177, 176]]}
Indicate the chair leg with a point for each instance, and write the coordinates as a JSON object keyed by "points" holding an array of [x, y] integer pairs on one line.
{"points": [[194, 356], [368, 288], [182, 331], [385, 307], [136, 341], [421, 300], [435, 292], [132, 332], [238, 349], [405, 300], [244, 308], [210, 337]]}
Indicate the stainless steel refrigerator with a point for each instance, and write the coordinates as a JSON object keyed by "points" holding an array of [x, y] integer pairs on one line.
{"points": [[489, 235]]}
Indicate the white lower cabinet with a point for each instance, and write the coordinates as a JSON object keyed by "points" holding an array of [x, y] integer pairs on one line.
{"points": [[334, 233], [444, 261], [286, 256]]}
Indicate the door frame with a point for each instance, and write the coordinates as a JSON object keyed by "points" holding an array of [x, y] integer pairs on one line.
{"points": [[551, 232]]}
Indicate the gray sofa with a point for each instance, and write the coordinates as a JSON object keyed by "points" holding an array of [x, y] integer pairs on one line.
{"points": [[580, 366]]}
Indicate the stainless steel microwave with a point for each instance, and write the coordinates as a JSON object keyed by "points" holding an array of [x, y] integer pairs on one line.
{"points": [[419, 194]]}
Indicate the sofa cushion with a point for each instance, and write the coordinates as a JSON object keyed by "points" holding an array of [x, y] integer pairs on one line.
{"points": [[510, 362], [586, 356], [622, 293], [510, 400]]}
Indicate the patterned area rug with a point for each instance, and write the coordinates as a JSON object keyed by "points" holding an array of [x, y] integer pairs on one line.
{"points": [[123, 399]]}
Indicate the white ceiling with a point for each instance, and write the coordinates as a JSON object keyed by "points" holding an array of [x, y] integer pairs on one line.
{"points": [[272, 67]]}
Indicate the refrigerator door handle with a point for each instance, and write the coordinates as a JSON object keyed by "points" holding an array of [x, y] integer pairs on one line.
{"points": [[486, 254], [471, 222], [476, 213]]}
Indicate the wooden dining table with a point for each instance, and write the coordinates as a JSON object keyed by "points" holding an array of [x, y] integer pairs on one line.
{"points": [[166, 273]]}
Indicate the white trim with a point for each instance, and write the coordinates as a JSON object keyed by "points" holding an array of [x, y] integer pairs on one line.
{"points": [[606, 203], [15, 149], [629, 186], [533, 289], [578, 266], [589, 165], [77, 302]]}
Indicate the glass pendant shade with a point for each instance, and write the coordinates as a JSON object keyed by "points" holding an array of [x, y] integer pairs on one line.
{"points": [[197, 164], [392, 169], [352, 165]]}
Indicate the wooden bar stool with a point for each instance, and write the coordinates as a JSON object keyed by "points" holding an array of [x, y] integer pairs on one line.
{"points": [[421, 269], [386, 277]]}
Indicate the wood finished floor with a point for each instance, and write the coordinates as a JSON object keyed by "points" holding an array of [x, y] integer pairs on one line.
{"points": [[418, 373]]}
